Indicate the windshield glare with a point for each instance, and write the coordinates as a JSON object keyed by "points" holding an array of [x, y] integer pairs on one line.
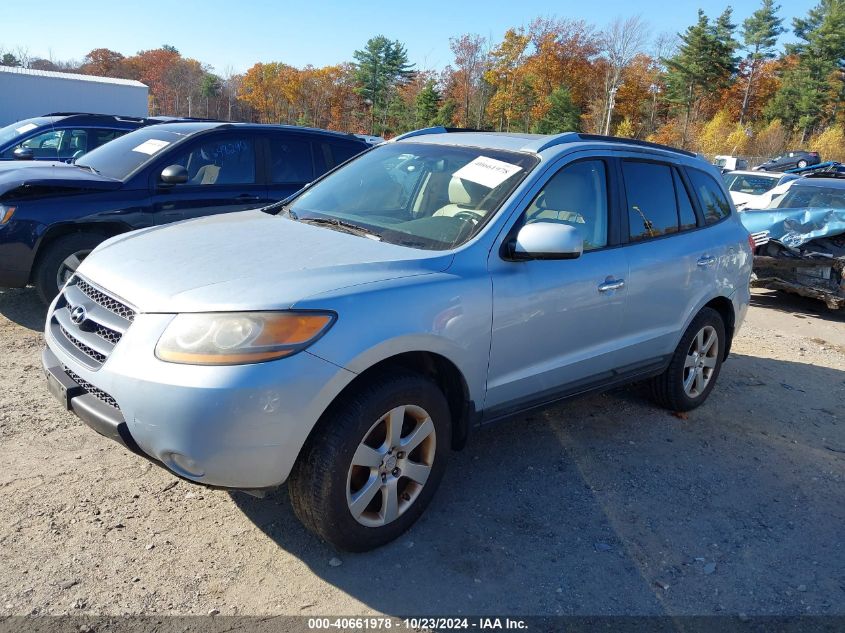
{"points": [[14, 130], [804, 197], [426, 196], [122, 156]]}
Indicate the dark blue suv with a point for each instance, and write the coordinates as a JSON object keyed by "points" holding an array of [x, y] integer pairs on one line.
{"points": [[53, 214], [63, 135]]}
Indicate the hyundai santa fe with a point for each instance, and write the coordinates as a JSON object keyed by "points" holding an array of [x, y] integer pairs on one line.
{"points": [[346, 339]]}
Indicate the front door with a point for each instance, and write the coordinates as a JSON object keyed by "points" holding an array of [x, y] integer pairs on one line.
{"points": [[222, 177], [556, 322]]}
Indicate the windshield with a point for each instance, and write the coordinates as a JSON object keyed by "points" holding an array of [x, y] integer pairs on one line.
{"points": [[427, 196], [122, 156], [747, 183], [14, 130], [811, 197]]}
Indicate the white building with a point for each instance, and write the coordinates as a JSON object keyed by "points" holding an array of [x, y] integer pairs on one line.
{"points": [[26, 93]]}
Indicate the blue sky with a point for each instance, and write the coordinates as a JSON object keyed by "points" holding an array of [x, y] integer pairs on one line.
{"points": [[235, 35]]}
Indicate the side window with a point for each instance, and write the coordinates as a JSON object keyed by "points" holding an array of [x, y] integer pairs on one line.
{"points": [[652, 208], [714, 204], [226, 161], [341, 152], [576, 195], [77, 143], [44, 145], [101, 137], [686, 215], [290, 160]]}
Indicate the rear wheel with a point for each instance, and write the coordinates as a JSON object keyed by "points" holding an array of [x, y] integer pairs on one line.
{"points": [[695, 365], [802, 164], [371, 468], [60, 261]]}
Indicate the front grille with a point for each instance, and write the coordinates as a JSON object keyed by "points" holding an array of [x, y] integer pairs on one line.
{"points": [[101, 298], [82, 347], [87, 387], [108, 334], [88, 323]]}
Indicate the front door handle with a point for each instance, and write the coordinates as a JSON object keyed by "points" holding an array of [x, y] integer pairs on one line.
{"points": [[612, 284], [247, 197], [706, 260]]}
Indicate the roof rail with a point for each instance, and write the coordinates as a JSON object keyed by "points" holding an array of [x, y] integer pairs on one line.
{"points": [[634, 141], [437, 129]]}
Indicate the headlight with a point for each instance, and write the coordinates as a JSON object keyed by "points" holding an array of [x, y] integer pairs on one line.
{"points": [[235, 338], [6, 213]]}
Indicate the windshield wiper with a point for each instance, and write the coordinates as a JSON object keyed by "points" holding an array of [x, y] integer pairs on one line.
{"points": [[347, 227], [88, 167]]}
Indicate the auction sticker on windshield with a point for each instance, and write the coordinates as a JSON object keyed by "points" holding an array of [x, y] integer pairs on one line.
{"points": [[151, 146], [486, 171]]}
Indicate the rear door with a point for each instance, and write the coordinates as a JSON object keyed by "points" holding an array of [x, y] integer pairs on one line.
{"points": [[224, 176], [290, 163], [671, 261]]}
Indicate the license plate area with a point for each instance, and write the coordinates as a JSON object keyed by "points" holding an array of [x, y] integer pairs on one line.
{"points": [[63, 388]]}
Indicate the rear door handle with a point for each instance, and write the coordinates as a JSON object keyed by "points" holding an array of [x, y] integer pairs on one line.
{"points": [[706, 260], [612, 284]]}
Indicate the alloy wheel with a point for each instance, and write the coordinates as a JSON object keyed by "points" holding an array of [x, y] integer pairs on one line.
{"points": [[700, 361], [391, 466]]}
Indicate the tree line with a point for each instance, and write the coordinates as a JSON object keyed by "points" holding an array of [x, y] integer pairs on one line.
{"points": [[720, 86]]}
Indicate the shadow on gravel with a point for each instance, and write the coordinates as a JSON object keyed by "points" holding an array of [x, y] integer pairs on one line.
{"points": [[608, 505], [795, 305], [22, 306]]}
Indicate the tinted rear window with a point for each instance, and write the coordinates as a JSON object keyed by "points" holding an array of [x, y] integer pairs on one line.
{"points": [[652, 209], [714, 204]]}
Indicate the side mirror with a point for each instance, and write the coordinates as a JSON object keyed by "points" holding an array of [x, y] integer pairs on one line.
{"points": [[174, 175], [24, 153], [546, 240]]}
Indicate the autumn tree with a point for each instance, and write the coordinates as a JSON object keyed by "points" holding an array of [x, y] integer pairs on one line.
{"points": [[507, 78], [466, 78], [104, 63], [620, 43]]}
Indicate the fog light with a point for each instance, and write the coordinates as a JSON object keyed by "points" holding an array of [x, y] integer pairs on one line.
{"points": [[184, 465]]}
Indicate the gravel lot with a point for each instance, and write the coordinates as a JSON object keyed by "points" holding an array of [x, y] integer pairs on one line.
{"points": [[603, 505]]}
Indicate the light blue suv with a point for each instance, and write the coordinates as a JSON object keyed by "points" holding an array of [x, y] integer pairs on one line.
{"points": [[346, 340]]}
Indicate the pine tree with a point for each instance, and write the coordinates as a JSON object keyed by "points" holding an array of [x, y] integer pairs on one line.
{"points": [[760, 32], [563, 115], [813, 87], [380, 66], [704, 63], [427, 105]]}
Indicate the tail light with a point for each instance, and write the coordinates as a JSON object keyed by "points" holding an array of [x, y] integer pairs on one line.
{"points": [[751, 242]]}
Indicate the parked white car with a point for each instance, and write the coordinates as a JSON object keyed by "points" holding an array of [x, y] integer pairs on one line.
{"points": [[730, 163], [746, 187]]}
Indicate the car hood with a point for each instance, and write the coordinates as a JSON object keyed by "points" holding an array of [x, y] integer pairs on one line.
{"points": [[24, 173], [245, 261], [795, 227], [741, 198]]}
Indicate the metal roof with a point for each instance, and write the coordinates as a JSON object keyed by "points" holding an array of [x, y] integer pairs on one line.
{"points": [[16, 70]]}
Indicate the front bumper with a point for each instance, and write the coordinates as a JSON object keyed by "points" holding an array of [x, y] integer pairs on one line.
{"points": [[233, 427]]}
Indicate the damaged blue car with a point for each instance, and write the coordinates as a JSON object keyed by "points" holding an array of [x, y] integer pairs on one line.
{"points": [[800, 240]]}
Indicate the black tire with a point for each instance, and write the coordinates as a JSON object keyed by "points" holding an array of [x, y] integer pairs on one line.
{"points": [[802, 164], [668, 388], [51, 260], [318, 483]]}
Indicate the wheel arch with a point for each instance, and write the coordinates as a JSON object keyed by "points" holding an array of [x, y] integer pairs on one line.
{"points": [[106, 229], [725, 308], [437, 368]]}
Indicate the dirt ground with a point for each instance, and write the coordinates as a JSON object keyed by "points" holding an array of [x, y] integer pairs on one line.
{"points": [[604, 505]]}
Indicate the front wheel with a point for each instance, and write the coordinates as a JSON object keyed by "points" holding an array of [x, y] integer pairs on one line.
{"points": [[60, 261], [371, 467], [802, 164], [695, 365]]}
